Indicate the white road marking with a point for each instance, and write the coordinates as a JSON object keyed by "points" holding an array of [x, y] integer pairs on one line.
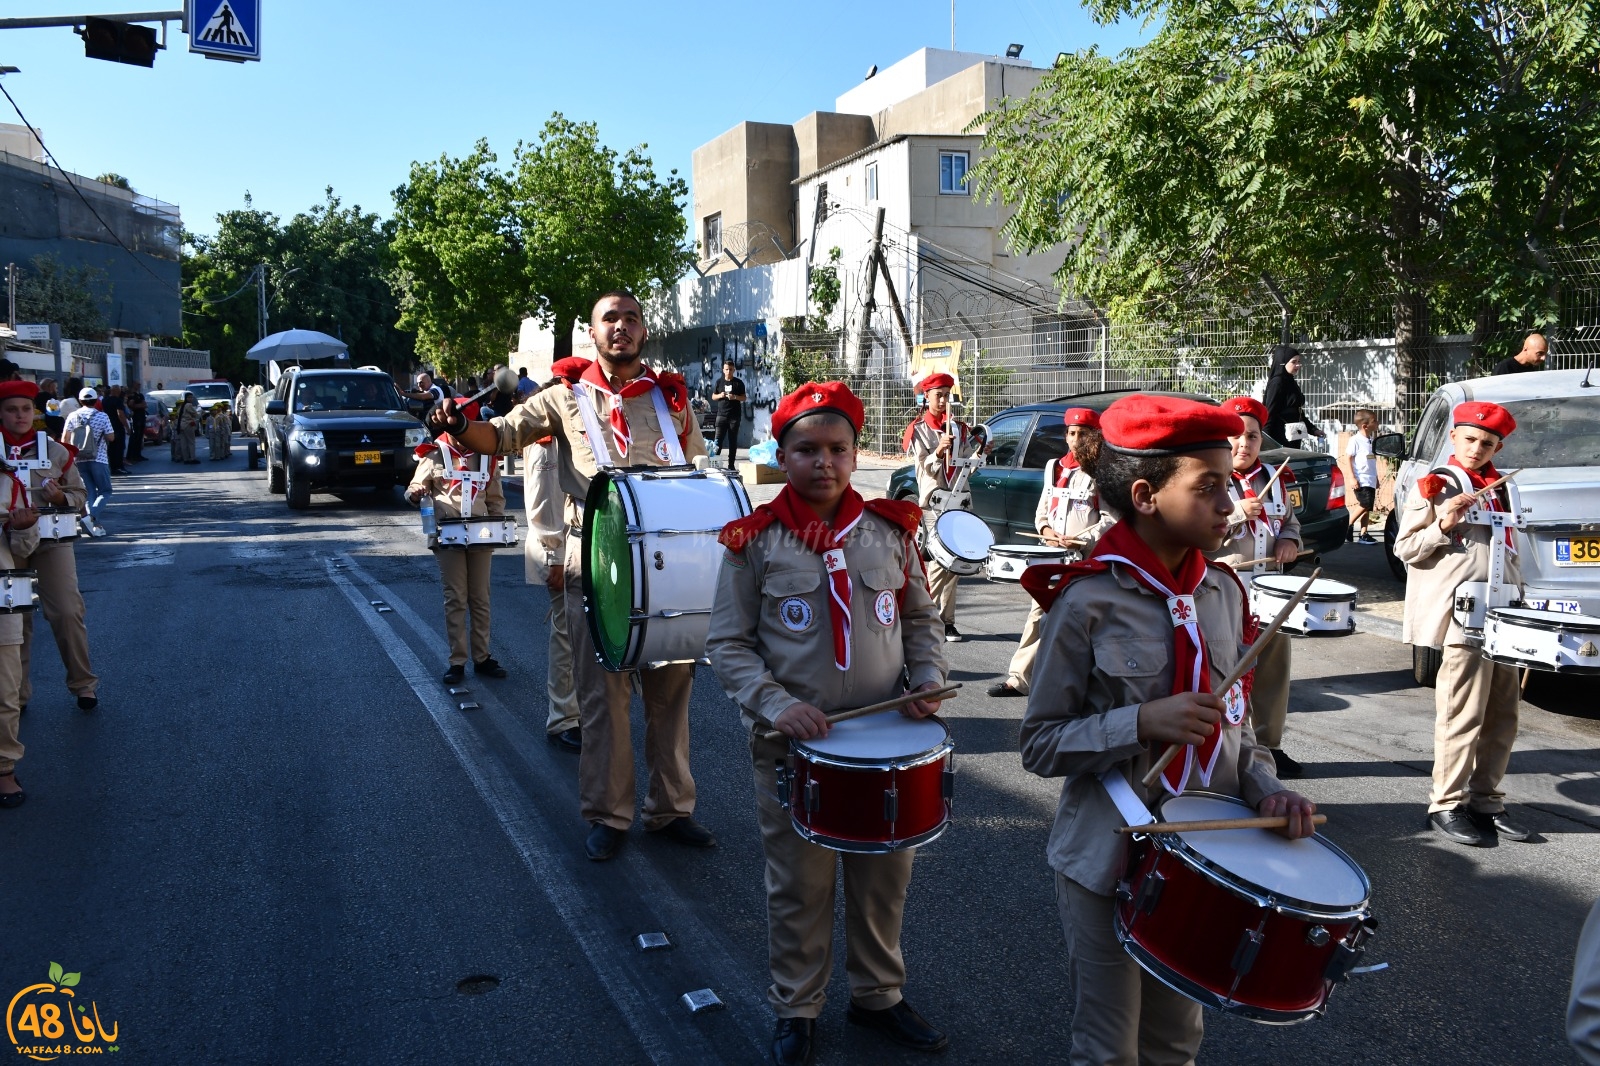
{"points": [[663, 1033]]}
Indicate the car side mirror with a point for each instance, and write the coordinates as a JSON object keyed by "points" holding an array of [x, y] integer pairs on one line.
{"points": [[276, 407], [1390, 445]]}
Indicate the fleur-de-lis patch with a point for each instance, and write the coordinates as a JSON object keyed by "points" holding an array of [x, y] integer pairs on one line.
{"points": [[1181, 608]]}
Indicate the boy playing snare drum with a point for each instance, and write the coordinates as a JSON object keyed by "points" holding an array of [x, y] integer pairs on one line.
{"points": [[1112, 690], [821, 605]]}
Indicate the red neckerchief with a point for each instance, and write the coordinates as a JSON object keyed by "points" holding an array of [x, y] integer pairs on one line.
{"points": [[1481, 479], [1246, 483], [827, 541], [639, 386], [1064, 469], [1191, 665], [16, 444]]}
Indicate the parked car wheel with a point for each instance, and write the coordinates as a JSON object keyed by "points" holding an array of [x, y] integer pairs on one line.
{"points": [[1425, 664], [297, 491], [275, 478], [1391, 530]]}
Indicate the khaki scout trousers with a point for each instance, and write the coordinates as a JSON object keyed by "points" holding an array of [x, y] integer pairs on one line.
{"points": [[62, 605], [559, 692], [942, 587], [183, 445], [1019, 675], [11, 675], [605, 768], [465, 576], [1269, 692], [1121, 1016], [800, 894], [1474, 726]]}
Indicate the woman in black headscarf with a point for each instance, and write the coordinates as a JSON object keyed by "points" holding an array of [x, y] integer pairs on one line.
{"points": [[1284, 401]]}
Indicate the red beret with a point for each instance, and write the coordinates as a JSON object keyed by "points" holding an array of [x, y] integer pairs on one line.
{"points": [[571, 368], [1489, 416], [11, 389], [1166, 425], [936, 381], [810, 398], [1245, 405], [1081, 416]]}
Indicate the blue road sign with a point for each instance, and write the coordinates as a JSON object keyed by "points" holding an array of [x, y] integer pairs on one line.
{"points": [[225, 29]]}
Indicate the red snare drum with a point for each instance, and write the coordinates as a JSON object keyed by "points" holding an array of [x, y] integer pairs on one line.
{"points": [[876, 784], [1243, 920]]}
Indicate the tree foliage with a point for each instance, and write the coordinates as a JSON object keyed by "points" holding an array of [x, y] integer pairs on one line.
{"points": [[73, 297], [478, 248], [1436, 150], [327, 269]]}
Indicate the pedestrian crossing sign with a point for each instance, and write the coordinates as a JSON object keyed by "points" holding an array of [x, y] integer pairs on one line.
{"points": [[225, 29]]}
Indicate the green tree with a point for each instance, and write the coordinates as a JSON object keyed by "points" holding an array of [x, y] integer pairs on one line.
{"points": [[478, 248], [113, 178], [73, 297], [1431, 149]]}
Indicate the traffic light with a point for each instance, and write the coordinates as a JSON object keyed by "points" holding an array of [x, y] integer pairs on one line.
{"points": [[120, 42]]}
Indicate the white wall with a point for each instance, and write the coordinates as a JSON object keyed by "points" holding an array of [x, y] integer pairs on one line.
{"points": [[911, 75]]}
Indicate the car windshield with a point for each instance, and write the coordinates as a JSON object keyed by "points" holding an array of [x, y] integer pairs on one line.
{"points": [[1558, 431], [347, 392], [216, 390]]}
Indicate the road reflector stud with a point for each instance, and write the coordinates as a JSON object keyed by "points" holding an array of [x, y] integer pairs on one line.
{"points": [[701, 999], [652, 941]]}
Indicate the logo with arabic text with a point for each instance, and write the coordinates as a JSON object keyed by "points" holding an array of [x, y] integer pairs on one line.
{"points": [[47, 1020]]}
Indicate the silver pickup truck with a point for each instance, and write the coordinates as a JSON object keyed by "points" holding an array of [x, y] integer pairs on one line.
{"points": [[1555, 453]]}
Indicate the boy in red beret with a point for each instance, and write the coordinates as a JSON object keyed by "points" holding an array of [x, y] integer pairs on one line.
{"points": [[16, 415], [1262, 527], [934, 443], [821, 606], [1068, 516], [1135, 639], [1475, 700]]}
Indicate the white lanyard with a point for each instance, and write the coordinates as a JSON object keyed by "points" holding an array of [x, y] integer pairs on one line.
{"points": [[469, 482], [596, 435]]}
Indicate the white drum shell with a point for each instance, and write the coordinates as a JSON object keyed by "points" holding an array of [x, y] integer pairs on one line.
{"points": [[1006, 562], [57, 525], [19, 591], [1470, 604], [1329, 608], [1542, 640], [674, 520], [495, 532], [960, 541]]}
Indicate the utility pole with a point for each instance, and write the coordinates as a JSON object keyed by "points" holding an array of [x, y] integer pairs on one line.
{"points": [[261, 302], [952, 25], [871, 301], [11, 295]]}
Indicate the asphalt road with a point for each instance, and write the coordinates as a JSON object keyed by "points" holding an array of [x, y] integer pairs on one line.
{"points": [[280, 840]]}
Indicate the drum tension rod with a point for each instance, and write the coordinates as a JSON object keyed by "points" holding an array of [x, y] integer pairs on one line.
{"points": [[1150, 890], [891, 805]]}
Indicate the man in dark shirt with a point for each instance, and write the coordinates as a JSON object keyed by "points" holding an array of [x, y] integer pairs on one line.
{"points": [[727, 403], [1532, 356], [116, 409]]}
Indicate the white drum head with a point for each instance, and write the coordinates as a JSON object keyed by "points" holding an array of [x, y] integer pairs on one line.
{"points": [[881, 736], [1546, 619], [1029, 552], [1304, 870], [1287, 585], [964, 535]]}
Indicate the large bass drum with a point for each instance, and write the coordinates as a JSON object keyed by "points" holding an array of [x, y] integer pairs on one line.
{"points": [[650, 558]]}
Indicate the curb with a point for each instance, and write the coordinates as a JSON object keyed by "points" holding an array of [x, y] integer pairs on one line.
{"points": [[1378, 626]]}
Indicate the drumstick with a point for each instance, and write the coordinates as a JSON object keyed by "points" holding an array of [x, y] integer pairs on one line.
{"points": [[1266, 559], [1276, 474], [1240, 669], [1216, 823], [948, 692], [1030, 536], [1481, 493]]}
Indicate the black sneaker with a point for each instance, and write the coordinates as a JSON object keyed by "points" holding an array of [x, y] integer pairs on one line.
{"points": [[88, 703], [1288, 769], [489, 668], [952, 635], [456, 674]]}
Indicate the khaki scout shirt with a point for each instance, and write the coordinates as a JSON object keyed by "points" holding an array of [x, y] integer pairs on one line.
{"points": [[771, 636], [554, 412], [1078, 516], [1436, 562], [929, 466], [1106, 648], [446, 493], [25, 542], [1241, 544]]}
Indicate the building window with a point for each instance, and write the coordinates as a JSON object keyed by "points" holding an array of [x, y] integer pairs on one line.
{"points": [[713, 235], [822, 202], [872, 182], [953, 173]]}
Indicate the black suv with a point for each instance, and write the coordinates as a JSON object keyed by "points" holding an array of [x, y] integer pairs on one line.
{"points": [[330, 430]]}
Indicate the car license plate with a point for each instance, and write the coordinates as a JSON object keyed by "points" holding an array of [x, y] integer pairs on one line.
{"points": [[1556, 606], [1297, 497], [368, 458], [1578, 551]]}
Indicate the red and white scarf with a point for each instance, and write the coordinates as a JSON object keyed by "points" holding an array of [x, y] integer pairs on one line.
{"points": [[940, 424], [670, 386], [1245, 483], [827, 541], [1190, 662], [1481, 479]]}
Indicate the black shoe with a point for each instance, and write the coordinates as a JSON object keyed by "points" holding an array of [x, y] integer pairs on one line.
{"points": [[489, 668], [1003, 688], [951, 633], [1458, 826], [603, 841], [86, 703], [686, 830], [456, 674], [1498, 823], [900, 1023], [12, 799], [1287, 767], [567, 740], [794, 1041]]}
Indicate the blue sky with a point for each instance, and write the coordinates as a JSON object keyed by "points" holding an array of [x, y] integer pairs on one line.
{"points": [[349, 94]]}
